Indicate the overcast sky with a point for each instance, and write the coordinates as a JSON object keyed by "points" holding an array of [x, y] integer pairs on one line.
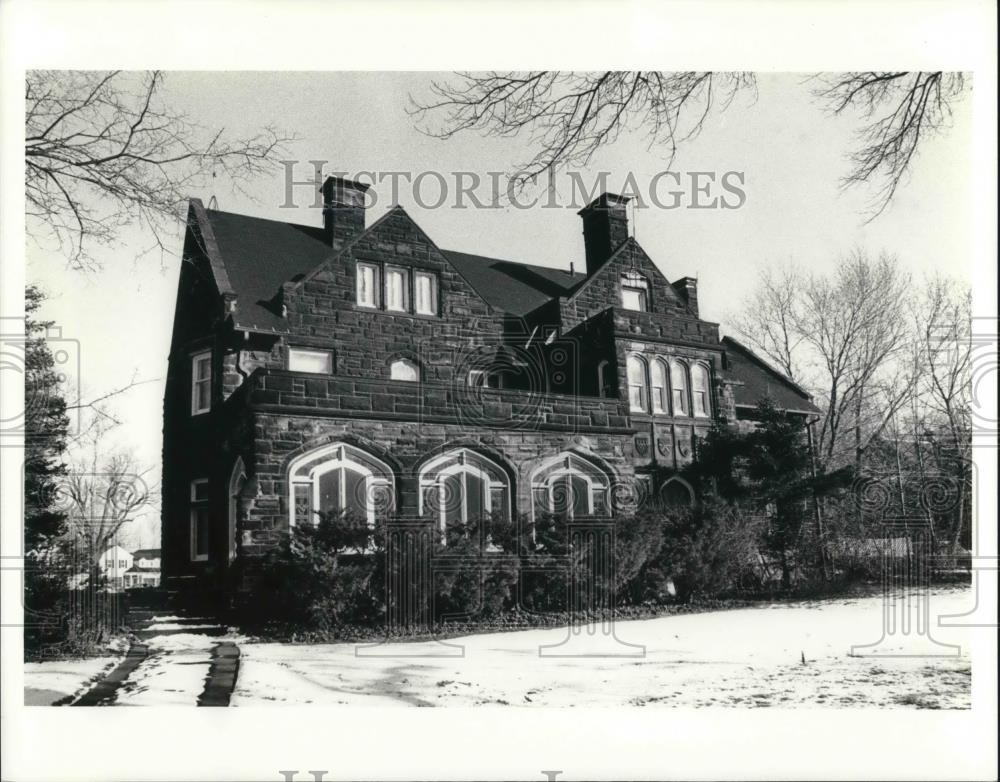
{"points": [[791, 154]]}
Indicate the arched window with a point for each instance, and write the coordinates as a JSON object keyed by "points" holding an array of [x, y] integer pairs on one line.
{"points": [[677, 493], [404, 369], [636, 369], [699, 391], [570, 486], [339, 478], [462, 486], [658, 386], [679, 387]]}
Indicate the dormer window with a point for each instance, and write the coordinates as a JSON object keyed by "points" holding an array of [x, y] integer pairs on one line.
{"points": [[635, 292]]}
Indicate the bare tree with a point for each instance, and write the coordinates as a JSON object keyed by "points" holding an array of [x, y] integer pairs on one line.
{"points": [[103, 490], [943, 317], [102, 150], [770, 317], [569, 116], [846, 336], [900, 109]]}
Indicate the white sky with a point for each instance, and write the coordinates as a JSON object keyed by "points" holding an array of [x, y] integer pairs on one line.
{"points": [[791, 152]]}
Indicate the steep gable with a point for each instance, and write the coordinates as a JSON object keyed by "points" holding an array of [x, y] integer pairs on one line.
{"points": [[603, 288]]}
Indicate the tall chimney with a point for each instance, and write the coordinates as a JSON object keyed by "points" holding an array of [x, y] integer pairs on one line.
{"points": [[687, 287], [605, 228], [343, 210]]}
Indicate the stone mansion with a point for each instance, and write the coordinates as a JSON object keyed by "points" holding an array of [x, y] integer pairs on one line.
{"points": [[362, 367]]}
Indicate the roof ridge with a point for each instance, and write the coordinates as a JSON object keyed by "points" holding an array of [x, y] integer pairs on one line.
{"points": [[517, 263], [262, 219]]}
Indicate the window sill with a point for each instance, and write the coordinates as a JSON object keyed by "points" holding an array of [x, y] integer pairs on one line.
{"points": [[396, 313]]}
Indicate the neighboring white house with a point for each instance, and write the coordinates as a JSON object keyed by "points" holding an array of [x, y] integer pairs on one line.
{"points": [[113, 564], [145, 571]]}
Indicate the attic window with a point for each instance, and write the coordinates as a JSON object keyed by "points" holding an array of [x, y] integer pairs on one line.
{"points": [[425, 287], [635, 292], [368, 285]]}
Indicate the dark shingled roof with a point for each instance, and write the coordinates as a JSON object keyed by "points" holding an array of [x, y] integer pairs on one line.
{"points": [[146, 553], [758, 380], [514, 288], [260, 255]]}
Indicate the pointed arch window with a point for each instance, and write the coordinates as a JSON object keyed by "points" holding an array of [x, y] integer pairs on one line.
{"points": [[679, 387], [677, 493], [570, 486], [636, 370], [700, 404], [463, 486], [339, 478]]}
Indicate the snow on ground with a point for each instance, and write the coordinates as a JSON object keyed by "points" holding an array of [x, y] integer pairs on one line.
{"points": [[49, 682], [173, 674], [746, 657]]}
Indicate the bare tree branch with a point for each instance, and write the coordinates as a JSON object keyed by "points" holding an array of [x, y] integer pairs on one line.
{"points": [[568, 116], [103, 151], [899, 110]]}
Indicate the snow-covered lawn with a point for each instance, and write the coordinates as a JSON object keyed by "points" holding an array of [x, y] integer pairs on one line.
{"points": [[50, 682], [747, 657]]}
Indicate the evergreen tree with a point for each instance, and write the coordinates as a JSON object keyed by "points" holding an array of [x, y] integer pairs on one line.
{"points": [[769, 469], [45, 431]]}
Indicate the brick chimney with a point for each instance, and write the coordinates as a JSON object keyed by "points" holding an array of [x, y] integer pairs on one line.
{"points": [[687, 287], [343, 210], [605, 228]]}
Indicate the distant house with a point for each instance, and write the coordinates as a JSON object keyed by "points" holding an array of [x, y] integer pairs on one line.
{"points": [[145, 571], [113, 565]]}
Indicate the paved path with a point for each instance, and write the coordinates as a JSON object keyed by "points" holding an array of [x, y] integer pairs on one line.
{"points": [[174, 659]]}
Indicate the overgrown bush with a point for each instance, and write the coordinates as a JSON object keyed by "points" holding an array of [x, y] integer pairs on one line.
{"points": [[707, 550]]}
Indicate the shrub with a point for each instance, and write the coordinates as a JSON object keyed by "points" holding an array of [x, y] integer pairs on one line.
{"points": [[321, 576], [708, 549]]}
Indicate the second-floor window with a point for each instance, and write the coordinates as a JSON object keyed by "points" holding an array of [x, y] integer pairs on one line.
{"points": [[699, 391], [678, 383], [318, 362], [658, 386], [672, 387], [636, 369], [201, 382], [635, 292]]}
